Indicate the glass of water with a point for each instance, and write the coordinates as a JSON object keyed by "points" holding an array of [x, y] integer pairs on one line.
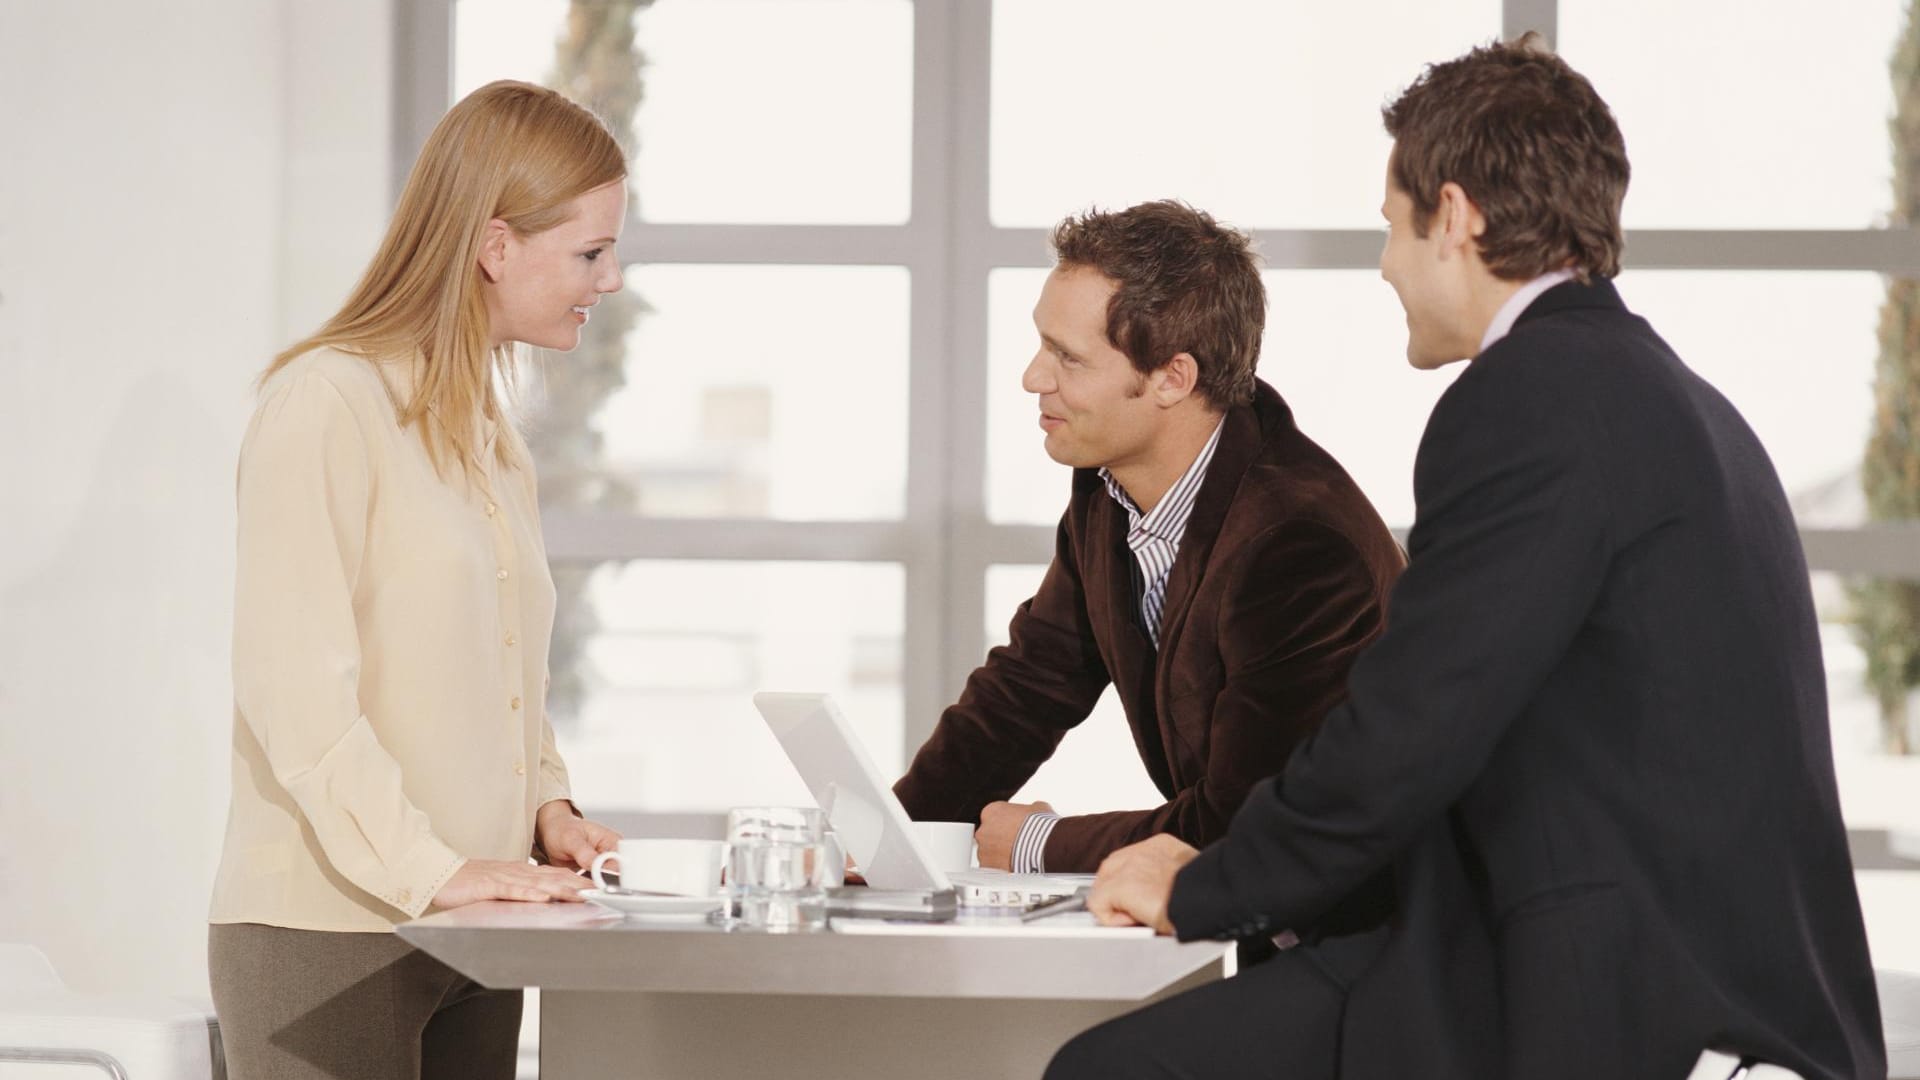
{"points": [[779, 863]]}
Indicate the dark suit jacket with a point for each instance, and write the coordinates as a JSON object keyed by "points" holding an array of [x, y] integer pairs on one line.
{"points": [[1592, 743], [1281, 578]]}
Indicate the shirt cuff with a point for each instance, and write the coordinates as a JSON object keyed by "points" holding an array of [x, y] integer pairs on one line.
{"points": [[419, 877], [1030, 846]]}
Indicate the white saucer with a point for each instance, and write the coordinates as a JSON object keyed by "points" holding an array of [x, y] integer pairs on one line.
{"points": [[656, 908]]}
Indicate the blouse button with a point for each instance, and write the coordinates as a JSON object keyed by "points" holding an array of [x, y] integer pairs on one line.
{"points": [[502, 575], [490, 509], [511, 640], [515, 703]]}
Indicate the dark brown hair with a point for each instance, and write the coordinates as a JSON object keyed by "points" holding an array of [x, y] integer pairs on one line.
{"points": [[1531, 143], [1186, 284]]}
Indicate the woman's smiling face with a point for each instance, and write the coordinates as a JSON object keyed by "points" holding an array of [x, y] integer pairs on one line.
{"points": [[539, 288]]}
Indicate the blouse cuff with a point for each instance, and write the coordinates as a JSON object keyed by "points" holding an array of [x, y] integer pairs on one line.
{"points": [[418, 878]]}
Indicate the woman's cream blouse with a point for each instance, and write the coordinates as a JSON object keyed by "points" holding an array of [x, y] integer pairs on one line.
{"points": [[389, 658]]}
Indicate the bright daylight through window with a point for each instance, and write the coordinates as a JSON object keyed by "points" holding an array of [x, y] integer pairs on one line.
{"points": [[803, 460]]}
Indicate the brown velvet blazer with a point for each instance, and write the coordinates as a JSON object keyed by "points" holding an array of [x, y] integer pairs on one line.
{"points": [[1280, 581]]}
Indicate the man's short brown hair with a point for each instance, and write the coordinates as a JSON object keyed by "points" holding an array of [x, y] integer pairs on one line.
{"points": [[1531, 143], [1186, 284]]}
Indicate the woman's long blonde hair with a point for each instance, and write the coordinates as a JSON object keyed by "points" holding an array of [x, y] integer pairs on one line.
{"points": [[509, 150]]}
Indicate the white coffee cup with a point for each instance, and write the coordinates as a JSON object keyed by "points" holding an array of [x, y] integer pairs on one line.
{"points": [[672, 866], [950, 843]]}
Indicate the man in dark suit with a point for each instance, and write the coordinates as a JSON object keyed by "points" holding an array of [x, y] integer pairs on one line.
{"points": [[1213, 564], [1592, 744]]}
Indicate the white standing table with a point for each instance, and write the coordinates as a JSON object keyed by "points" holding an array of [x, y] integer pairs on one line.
{"points": [[623, 998]]}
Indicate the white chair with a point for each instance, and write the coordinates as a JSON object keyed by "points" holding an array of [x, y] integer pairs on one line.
{"points": [[1714, 1065], [48, 1032], [1900, 1017]]}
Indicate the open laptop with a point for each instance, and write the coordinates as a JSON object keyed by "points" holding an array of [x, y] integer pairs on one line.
{"points": [[871, 823]]}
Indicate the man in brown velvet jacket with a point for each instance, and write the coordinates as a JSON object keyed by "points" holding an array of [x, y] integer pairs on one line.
{"points": [[1214, 564]]}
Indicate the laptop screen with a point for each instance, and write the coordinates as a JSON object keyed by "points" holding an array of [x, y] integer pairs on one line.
{"points": [[871, 823]]}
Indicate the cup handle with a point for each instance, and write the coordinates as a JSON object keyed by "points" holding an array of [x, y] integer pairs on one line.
{"points": [[599, 861]]}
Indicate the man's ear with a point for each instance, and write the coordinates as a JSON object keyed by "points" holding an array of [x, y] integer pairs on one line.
{"points": [[1459, 220], [493, 249], [1175, 380]]}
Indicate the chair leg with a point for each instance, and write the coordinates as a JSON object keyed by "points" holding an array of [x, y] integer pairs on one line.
{"points": [[38, 1055]]}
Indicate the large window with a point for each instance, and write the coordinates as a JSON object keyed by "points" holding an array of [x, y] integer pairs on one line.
{"points": [[826, 473], [734, 414], [1264, 114], [1737, 118]]}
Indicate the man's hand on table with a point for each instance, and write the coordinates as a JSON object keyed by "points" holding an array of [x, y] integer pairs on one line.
{"points": [[1135, 882], [1000, 824], [570, 840]]}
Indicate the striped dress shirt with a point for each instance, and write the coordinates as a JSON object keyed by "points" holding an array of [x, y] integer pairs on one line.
{"points": [[1155, 541]]}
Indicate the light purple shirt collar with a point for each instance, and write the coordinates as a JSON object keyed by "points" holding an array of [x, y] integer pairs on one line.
{"points": [[1509, 312]]}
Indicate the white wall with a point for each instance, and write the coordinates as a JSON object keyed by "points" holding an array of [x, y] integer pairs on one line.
{"points": [[183, 188]]}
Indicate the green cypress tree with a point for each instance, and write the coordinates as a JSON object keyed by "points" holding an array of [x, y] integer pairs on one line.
{"points": [[1887, 613], [597, 64]]}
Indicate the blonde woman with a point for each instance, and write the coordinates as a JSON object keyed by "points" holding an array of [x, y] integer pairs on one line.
{"points": [[391, 752]]}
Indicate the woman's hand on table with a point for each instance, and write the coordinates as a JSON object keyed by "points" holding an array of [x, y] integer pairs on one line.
{"points": [[570, 840], [501, 879]]}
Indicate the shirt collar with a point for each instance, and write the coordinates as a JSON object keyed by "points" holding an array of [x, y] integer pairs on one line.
{"points": [[1509, 312], [1168, 521], [402, 375]]}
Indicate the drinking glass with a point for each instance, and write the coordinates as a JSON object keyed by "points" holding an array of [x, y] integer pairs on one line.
{"points": [[779, 864]]}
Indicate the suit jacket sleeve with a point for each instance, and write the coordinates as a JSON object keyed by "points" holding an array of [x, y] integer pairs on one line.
{"points": [[1016, 707], [1300, 605], [1509, 550]]}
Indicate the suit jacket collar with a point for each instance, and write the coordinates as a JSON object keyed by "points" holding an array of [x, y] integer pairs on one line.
{"points": [[1244, 432], [1570, 295]]}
